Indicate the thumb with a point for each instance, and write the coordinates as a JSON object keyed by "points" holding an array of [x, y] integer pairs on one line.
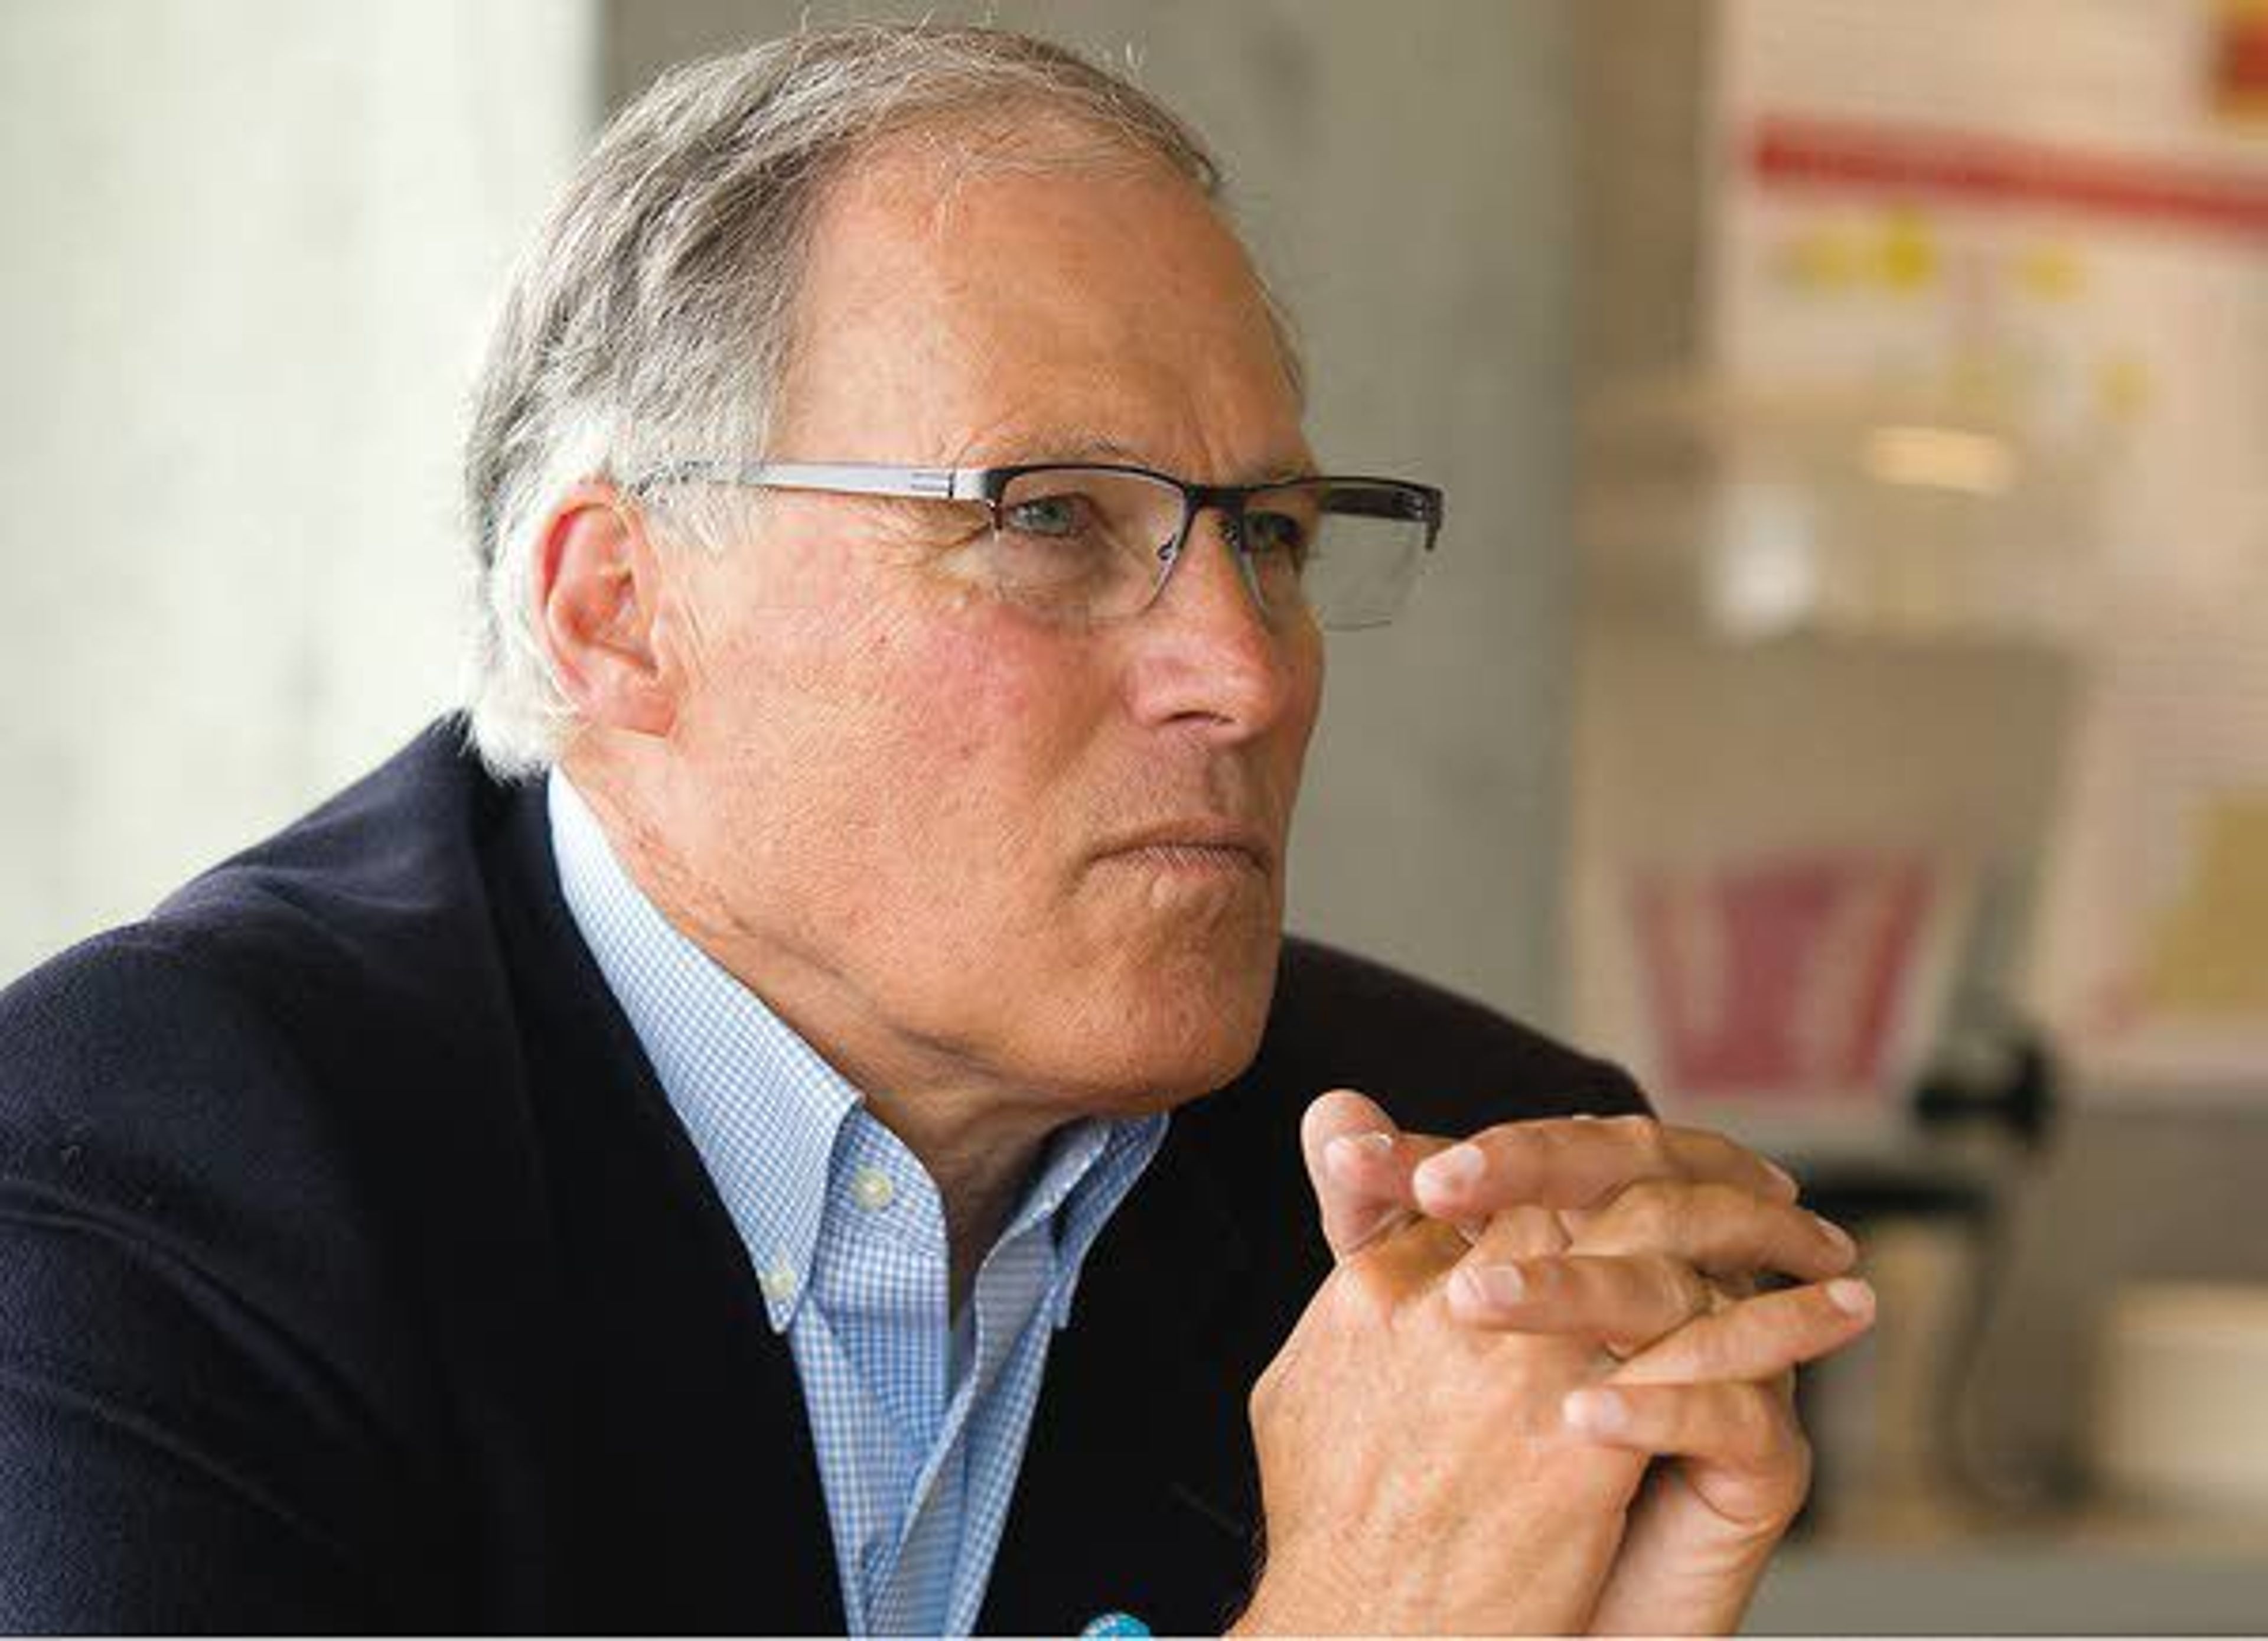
{"points": [[1358, 1191]]}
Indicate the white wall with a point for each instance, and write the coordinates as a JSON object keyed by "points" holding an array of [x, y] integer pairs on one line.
{"points": [[251, 247]]}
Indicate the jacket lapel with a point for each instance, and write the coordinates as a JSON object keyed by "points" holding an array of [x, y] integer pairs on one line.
{"points": [[1136, 1493], [702, 1504]]}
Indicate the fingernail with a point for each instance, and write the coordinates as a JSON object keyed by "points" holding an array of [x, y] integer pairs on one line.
{"points": [[1594, 1412], [1795, 1188], [1491, 1287], [1453, 1170], [1836, 1235], [1346, 1151], [1852, 1295]]}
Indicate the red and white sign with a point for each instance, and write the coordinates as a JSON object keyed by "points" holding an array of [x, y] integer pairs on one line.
{"points": [[1783, 981]]}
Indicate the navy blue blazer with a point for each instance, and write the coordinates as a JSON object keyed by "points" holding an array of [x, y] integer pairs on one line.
{"points": [[356, 1275]]}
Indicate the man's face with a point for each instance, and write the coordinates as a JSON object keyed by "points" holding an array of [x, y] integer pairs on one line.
{"points": [[944, 835]]}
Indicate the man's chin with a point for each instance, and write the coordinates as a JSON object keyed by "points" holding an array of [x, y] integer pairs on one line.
{"points": [[1164, 1045]]}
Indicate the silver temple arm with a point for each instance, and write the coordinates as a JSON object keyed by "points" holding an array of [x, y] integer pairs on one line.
{"points": [[855, 478]]}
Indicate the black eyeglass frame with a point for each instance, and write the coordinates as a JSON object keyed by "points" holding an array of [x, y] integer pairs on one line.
{"points": [[1416, 502]]}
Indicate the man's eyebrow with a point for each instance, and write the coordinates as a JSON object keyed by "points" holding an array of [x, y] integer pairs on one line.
{"points": [[1083, 446]]}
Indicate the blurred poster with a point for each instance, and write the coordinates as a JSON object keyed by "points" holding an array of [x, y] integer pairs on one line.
{"points": [[2152, 954], [2029, 240], [1781, 979], [2043, 223]]}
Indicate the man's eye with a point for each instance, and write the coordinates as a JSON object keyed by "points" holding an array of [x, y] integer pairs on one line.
{"points": [[1061, 517], [1276, 532]]}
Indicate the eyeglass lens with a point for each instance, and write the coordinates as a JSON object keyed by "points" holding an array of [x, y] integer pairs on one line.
{"points": [[1097, 543]]}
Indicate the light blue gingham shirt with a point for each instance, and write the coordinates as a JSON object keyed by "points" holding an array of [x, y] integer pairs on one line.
{"points": [[918, 1418]]}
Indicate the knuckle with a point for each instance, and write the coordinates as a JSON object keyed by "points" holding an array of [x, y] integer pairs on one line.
{"points": [[1550, 1280], [1717, 1158], [1524, 1232], [1649, 1140], [1732, 1203], [1631, 1128], [1684, 1291], [1364, 1294], [1649, 1214], [1539, 1141], [1760, 1336], [1742, 1226]]}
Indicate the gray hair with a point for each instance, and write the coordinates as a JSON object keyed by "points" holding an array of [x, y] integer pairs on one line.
{"points": [[652, 319]]}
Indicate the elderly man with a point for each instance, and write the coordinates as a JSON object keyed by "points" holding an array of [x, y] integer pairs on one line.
{"points": [[730, 1154]]}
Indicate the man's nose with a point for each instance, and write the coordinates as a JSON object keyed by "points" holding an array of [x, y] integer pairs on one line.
{"points": [[1208, 653]]}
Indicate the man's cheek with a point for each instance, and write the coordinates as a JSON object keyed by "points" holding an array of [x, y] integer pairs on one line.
{"points": [[989, 708], [991, 662]]}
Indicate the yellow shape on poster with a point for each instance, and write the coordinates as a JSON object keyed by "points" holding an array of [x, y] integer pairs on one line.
{"points": [[2122, 387], [2052, 272], [2209, 956], [1822, 259], [1906, 257]]}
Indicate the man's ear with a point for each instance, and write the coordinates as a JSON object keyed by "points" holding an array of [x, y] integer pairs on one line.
{"points": [[599, 584]]}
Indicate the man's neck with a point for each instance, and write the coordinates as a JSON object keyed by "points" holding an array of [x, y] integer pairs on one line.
{"points": [[979, 1149], [979, 1181]]}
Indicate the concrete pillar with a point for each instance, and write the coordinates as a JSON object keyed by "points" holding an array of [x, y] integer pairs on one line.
{"points": [[252, 246]]}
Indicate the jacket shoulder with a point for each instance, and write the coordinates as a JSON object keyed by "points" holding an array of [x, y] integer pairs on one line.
{"points": [[250, 1085], [1433, 1058], [228, 1134], [148, 1099]]}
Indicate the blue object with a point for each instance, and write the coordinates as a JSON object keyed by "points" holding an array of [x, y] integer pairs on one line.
{"points": [[1116, 1625]]}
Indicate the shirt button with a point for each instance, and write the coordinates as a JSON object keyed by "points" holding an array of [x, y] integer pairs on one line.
{"points": [[871, 1189], [778, 1279]]}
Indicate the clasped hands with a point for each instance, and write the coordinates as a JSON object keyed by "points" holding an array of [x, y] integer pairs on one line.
{"points": [[1542, 1391]]}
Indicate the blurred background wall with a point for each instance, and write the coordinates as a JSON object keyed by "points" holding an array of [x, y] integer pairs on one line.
{"points": [[251, 247], [1790, 627]]}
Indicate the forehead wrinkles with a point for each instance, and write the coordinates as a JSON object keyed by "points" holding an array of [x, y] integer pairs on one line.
{"points": [[896, 239], [911, 189]]}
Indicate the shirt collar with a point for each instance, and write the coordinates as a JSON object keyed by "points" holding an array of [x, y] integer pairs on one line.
{"points": [[759, 1104], [764, 1110]]}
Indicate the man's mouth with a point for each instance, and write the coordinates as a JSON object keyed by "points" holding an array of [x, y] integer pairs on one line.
{"points": [[1196, 846]]}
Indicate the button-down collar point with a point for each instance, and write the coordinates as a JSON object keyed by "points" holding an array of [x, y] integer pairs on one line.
{"points": [[779, 1280]]}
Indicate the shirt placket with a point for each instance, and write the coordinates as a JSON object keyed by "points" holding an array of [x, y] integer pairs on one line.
{"points": [[1006, 1303]]}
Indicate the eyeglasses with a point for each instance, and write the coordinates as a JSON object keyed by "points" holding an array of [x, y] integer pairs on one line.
{"points": [[1086, 543]]}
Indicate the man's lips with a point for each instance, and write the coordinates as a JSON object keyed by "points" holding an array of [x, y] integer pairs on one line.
{"points": [[1219, 845]]}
